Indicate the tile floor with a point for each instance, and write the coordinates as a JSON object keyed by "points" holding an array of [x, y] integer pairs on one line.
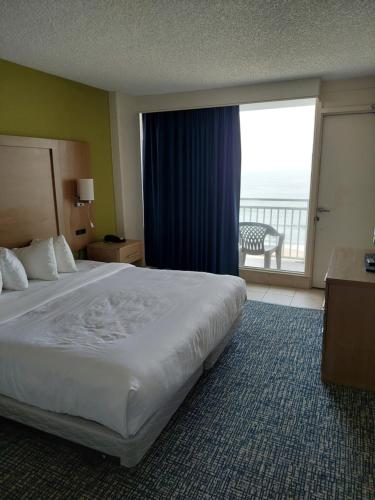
{"points": [[295, 297], [287, 264]]}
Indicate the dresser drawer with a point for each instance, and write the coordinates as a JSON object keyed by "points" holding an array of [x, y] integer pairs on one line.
{"points": [[130, 253]]}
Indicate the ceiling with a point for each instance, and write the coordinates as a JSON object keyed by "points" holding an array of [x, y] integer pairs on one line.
{"points": [[160, 46]]}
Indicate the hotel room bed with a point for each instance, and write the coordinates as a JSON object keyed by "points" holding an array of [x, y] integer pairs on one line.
{"points": [[105, 356]]}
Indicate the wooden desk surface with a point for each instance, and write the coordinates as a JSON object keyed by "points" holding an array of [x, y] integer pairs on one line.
{"points": [[107, 244], [348, 264]]}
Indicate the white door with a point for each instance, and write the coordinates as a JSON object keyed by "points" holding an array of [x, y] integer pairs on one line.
{"points": [[346, 199]]}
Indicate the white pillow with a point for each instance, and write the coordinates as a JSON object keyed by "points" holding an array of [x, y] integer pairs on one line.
{"points": [[1, 281], [64, 257], [12, 270], [39, 260]]}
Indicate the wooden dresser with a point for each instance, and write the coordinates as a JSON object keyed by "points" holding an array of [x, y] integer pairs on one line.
{"points": [[348, 355]]}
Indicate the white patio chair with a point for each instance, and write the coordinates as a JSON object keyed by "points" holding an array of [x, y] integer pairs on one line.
{"points": [[252, 242]]}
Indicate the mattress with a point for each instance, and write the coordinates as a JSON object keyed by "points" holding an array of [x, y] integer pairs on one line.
{"points": [[112, 342]]}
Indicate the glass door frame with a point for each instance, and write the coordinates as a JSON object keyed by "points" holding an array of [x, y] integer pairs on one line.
{"points": [[292, 278]]}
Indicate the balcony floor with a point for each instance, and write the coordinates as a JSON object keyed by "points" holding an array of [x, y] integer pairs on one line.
{"points": [[287, 264]]}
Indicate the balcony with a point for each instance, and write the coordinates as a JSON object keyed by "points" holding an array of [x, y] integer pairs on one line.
{"points": [[287, 216]]}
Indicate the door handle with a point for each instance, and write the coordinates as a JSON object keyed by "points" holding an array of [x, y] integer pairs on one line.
{"points": [[322, 210]]}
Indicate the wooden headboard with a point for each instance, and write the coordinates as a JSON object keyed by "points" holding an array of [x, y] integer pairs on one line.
{"points": [[38, 189]]}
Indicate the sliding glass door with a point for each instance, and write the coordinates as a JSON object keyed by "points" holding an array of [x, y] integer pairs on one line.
{"points": [[277, 143]]}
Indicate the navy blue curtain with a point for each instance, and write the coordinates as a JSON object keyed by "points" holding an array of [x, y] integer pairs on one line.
{"points": [[191, 187]]}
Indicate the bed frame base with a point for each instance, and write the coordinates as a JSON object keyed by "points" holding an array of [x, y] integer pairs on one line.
{"points": [[88, 433], [94, 435]]}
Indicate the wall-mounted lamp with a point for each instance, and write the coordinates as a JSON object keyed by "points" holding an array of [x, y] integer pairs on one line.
{"points": [[85, 194], [85, 191]]}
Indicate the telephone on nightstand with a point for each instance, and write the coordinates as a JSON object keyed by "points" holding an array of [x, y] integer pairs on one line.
{"points": [[112, 238], [370, 262]]}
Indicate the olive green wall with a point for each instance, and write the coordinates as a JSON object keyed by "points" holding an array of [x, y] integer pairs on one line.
{"points": [[38, 104]]}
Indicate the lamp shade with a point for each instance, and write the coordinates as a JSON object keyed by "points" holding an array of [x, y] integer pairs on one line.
{"points": [[85, 189]]}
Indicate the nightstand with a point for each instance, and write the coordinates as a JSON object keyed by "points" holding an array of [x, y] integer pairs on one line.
{"points": [[131, 252]]}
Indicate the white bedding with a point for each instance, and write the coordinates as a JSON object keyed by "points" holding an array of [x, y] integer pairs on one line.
{"points": [[112, 342]]}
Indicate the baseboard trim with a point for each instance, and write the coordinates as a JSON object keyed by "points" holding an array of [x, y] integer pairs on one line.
{"points": [[276, 278]]}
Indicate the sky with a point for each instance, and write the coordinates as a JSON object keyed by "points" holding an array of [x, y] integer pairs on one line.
{"points": [[276, 149]]}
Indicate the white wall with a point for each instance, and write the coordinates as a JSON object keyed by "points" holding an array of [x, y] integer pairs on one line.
{"points": [[230, 96], [125, 126], [353, 92], [126, 158]]}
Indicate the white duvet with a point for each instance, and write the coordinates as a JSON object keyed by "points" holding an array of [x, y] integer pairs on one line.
{"points": [[112, 343]]}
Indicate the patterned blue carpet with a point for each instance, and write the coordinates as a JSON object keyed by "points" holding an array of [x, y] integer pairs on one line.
{"points": [[260, 424]]}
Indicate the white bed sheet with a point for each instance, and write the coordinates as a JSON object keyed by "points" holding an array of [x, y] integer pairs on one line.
{"points": [[112, 342], [16, 303]]}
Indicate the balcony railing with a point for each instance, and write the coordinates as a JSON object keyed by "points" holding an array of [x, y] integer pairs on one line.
{"points": [[287, 216]]}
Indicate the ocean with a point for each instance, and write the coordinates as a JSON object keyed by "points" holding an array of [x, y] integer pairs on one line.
{"points": [[275, 184]]}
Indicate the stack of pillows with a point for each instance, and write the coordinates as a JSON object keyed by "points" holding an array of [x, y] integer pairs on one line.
{"points": [[42, 260]]}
